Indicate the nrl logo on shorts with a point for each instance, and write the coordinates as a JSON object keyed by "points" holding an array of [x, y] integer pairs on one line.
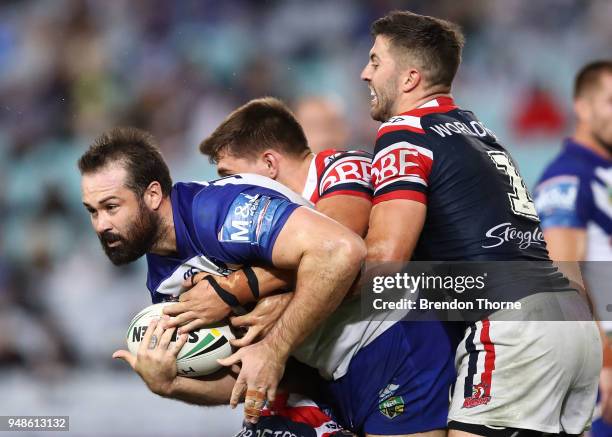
{"points": [[478, 397], [390, 406]]}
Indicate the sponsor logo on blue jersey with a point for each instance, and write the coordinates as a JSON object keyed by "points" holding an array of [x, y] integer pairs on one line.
{"points": [[250, 219], [558, 193], [239, 226]]}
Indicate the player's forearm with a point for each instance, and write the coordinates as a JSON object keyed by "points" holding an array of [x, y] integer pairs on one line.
{"points": [[202, 391], [566, 244], [323, 279], [264, 281]]}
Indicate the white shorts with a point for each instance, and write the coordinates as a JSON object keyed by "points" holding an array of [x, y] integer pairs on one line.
{"points": [[539, 375]]}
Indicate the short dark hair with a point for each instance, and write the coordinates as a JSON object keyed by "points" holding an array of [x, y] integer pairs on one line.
{"points": [[136, 150], [589, 76], [260, 124], [435, 43]]}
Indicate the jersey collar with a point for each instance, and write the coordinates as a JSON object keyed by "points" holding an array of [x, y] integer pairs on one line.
{"points": [[439, 104], [572, 146], [180, 230], [156, 262]]}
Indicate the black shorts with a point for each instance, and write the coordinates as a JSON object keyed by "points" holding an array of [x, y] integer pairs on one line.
{"points": [[487, 431]]}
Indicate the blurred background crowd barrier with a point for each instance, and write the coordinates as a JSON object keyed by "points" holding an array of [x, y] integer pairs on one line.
{"points": [[70, 69]]}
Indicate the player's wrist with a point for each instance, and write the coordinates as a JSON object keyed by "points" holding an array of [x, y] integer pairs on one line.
{"points": [[280, 347], [172, 388], [160, 388]]}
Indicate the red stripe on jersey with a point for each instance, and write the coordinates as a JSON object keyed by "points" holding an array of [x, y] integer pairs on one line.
{"points": [[341, 169], [444, 104], [387, 129], [320, 162], [399, 160], [435, 110], [489, 364], [401, 195], [445, 101]]}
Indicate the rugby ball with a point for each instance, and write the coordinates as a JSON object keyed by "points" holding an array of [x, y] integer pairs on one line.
{"points": [[198, 357]]}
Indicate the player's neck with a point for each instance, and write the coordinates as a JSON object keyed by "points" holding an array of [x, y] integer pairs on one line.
{"points": [[166, 238], [411, 102], [584, 137], [295, 173]]}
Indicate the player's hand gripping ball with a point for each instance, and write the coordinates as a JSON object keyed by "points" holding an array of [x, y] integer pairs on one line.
{"points": [[198, 357]]}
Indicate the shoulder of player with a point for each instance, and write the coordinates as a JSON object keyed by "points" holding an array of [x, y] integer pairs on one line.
{"points": [[562, 185], [396, 141], [401, 123], [328, 160], [330, 156], [227, 188], [396, 132], [184, 194], [343, 172], [204, 205], [343, 164], [565, 167]]}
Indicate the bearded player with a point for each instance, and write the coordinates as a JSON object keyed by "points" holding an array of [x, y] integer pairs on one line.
{"points": [[445, 190], [216, 227], [574, 204]]}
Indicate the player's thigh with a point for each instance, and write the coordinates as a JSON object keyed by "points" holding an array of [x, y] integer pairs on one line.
{"points": [[436, 433], [519, 375], [456, 433]]}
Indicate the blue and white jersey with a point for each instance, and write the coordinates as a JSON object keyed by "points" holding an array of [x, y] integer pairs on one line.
{"points": [[221, 225], [575, 191], [224, 224]]}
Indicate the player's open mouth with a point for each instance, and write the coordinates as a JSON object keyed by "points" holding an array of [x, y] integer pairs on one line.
{"points": [[373, 98], [114, 243]]}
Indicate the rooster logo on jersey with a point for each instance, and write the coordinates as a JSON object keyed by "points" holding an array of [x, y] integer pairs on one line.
{"points": [[478, 396]]}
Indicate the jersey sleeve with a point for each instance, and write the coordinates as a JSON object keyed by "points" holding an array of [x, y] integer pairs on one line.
{"points": [[402, 166], [562, 202], [348, 173], [241, 227]]}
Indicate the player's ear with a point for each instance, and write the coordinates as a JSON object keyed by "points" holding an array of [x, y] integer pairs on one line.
{"points": [[153, 195], [410, 79], [271, 161]]}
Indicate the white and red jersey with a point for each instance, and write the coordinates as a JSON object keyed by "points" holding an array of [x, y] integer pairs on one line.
{"points": [[298, 408], [334, 172], [294, 415]]}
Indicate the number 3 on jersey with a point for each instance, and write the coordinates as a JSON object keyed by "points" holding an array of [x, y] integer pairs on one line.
{"points": [[520, 200]]}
